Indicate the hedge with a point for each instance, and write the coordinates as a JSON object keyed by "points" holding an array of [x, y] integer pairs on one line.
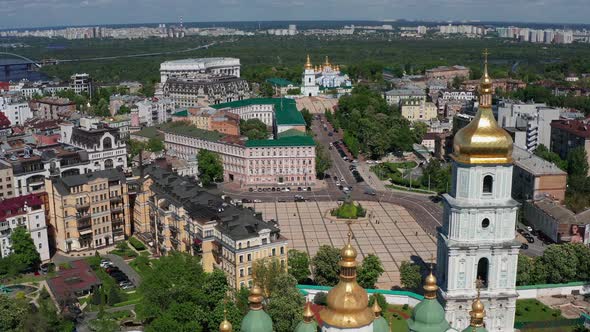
{"points": [[138, 245]]}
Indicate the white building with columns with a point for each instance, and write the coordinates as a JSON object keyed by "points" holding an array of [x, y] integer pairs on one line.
{"points": [[477, 239]]}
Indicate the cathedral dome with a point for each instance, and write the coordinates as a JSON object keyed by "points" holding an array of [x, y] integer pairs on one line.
{"points": [[429, 315], [482, 141], [256, 320], [347, 302], [379, 324], [308, 324]]}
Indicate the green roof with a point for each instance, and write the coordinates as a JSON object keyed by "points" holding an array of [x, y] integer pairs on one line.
{"points": [[428, 316], [149, 132], [285, 141], [286, 112], [181, 113], [291, 132], [187, 129], [370, 291], [279, 81], [256, 321], [380, 325], [307, 327]]}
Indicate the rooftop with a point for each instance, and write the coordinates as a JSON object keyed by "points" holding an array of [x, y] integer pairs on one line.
{"points": [[68, 282], [283, 141], [277, 81], [405, 92], [562, 214], [534, 164], [187, 129], [64, 183], [149, 132], [580, 128], [286, 112], [15, 206]]}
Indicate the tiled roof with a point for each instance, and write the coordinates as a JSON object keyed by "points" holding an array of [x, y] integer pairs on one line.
{"points": [[580, 128], [285, 141], [286, 112], [187, 129], [78, 278], [14, 206], [279, 81]]}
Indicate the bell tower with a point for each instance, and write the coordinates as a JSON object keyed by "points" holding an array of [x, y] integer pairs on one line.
{"points": [[477, 238], [309, 87]]}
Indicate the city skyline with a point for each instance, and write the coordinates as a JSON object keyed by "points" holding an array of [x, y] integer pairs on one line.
{"points": [[104, 12]]}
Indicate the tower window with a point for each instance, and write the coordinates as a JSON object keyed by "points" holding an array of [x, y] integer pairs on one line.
{"points": [[488, 182], [485, 223], [482, 271]]}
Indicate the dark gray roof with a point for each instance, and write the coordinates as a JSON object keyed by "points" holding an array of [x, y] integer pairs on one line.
{"points": [[205, 204], [64, 184]]}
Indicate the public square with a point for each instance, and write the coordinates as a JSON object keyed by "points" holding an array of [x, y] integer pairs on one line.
{"points": [[391, 234]]}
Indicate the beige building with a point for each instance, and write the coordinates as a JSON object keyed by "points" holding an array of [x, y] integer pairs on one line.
{"points": [[173, 213], [536, 178], [418, 110], [558, 222], [6, 180], [89, 211]]}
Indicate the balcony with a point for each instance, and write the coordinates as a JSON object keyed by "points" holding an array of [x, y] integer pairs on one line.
{"points": [[83, 216], [118, 221], [83, 206], [84, 227], [116, 209], [118, 232], [116, 199]]}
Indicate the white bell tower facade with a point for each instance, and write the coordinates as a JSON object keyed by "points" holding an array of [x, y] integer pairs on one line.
{"points": [[477, 239], [309, 87]]}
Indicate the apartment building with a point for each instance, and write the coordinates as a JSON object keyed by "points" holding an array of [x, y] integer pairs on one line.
{"points": [[89, 211], [529, 124], [418, 110], [82, 83], [28, 212], [447, 73], [17, 112], [396, 96], [53, 108], [535, 178], [172, 213], [570, 134], [6, 180]]}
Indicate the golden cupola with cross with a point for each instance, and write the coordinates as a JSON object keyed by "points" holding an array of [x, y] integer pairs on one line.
{"points": [[482, 141], [347, 303]]}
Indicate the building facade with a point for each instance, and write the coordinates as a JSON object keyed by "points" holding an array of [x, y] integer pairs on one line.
{"points": [[447, 73], [476, 243], [155, 111], [17, 112], [197, 68], [89, 211], [535, 178], [52, 108], [396, 96], [82, 83], [570, 134], [528, 123], [418, 110], [206, 91], [24, 211], [308, 84]]}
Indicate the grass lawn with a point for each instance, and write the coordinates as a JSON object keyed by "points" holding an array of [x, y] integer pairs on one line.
{"points": [[531, 310], [132, 297], [396, 315], [140, 264]]}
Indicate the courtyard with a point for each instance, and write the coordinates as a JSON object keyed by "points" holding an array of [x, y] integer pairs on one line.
{"points": [[392, 234]]}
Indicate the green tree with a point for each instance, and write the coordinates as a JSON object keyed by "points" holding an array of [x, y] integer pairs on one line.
{"points": [[553, 157], [420, 129], [210, 167], [325, 266], [12, 313], [380, 300], [242, 300], [577, 162], [135, 146], [266, 90], [524, 270], [11, 266], [561, 263], [298, 262], [266, 271], [370, 271], [410, 276], [124, 109], [323, 162], [24, 248], [352, 143], [113, 295], [285, 307], [308, 117], [254, 129], [155, 145]]}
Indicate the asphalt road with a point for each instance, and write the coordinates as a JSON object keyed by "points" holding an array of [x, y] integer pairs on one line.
{"points": [[427, 213]]}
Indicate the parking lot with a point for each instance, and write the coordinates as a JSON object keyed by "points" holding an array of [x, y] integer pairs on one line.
{"points": [[396, 238], [122, 278]]}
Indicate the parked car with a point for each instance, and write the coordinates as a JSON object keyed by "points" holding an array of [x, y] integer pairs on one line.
{"points": [[370, 192], [530, 239], [257, 201], [524, 246], [520, 231], [45, 268], [245, 200], [529, 228]]}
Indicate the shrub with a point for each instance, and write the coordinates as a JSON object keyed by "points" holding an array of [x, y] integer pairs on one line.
{"points": [[138, 245], [405, 306], [20, 295], [65, 266], [122, 245]]}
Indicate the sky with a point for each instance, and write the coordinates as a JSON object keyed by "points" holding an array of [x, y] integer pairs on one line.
{"points": [[38, 13]]}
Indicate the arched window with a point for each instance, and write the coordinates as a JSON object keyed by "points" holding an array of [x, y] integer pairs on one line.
{"points": [[488, 183], [107, 143], [485, 223], [108, 163], [483, 267]]}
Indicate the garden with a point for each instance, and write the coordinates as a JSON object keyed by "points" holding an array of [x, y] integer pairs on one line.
{"points": [[349, 210]]}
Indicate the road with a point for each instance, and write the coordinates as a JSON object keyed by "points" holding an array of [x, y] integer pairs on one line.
{"points": [[427, 213]]}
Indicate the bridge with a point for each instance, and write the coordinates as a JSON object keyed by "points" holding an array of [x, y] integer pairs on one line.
{"points": [[29, 61]]}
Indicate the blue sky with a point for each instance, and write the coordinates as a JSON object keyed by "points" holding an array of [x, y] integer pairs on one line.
{"points": [[33, 13]]}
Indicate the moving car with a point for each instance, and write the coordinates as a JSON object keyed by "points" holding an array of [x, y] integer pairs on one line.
{"points": [[370, 192]]}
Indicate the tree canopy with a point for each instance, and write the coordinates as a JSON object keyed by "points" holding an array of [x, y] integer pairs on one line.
{"points": [[298, 262], [369, 272], [410, 275], [210, 167], [23, 248], [560, 263], [325, 266], [254, 129]]}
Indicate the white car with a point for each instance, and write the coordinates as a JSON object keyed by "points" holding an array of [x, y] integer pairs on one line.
{"points": [[342, 179], [257, 201], [337, 183], [529, 228]]}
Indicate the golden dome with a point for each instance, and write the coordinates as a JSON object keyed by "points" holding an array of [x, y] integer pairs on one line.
{"points": [[327, 63], [482, 141], [255, 298], [376, 308], [308, 313], [477, 312], [308, 64], [430, 286], [347, 302], [225, 326]]}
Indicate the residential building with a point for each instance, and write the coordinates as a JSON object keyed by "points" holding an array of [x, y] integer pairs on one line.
{"points": [[89, 211], [448, 73], [451, 95], [285, 161], [106, 149], [154, 111], [121, 122], [53, 108], [6, 180], [281, 86], [82, 83], [117, 101], [529, 124], [429, 141], [557, 222], [31, 166], [535, 178], [198, 68], [570, 134], [395, 96], [501, 84], [65, 290], [208, 118], [28, 212], [17, 112], [172, 213], [206, 91], [418, 110]]}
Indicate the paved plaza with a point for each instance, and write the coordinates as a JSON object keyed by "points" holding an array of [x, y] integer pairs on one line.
{"points": [[393, 239]]}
